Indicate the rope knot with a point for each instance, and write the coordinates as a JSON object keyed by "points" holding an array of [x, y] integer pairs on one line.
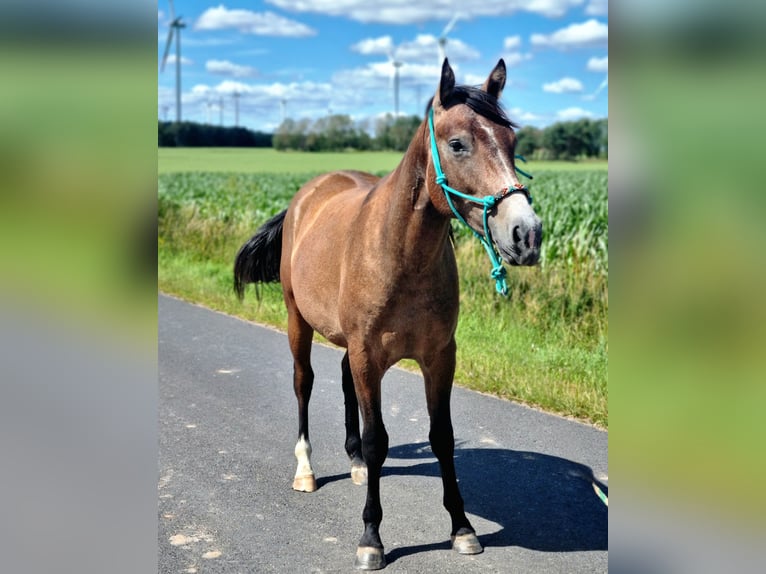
{"points": [[498, 272], [441, 179]]}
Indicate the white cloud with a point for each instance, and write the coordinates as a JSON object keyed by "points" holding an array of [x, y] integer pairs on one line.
{"points": [[516, 58], [512, 42], [313, 96], [569, 114], [598, 64], [226, 68], [248, 22], [564, 86], [377, 75], [424, 48], [231, 87], [522, 116], [374, 46], [184, 60], [585, 35], [408, 12], [371, 87], [471, 79], [597, 8], [208, 42]]}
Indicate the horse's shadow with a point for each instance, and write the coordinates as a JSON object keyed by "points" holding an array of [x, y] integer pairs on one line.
{"points": [[540, 502]]}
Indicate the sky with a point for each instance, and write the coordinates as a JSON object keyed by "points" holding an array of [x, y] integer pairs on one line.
{"points": [[310, 58]]}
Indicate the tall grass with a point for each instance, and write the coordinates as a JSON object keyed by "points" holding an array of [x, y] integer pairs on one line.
{"points": [[545, 345]]}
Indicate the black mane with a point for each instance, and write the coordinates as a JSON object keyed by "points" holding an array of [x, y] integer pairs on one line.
{"points": [[480, 102]]}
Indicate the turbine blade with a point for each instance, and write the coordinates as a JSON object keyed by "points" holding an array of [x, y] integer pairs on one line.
{"points": [[602, 85], [172, 11], [167, 49], [448, 27]]}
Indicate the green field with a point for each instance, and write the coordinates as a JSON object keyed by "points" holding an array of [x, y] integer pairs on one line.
{"points": [[546, 345], [267, 160]]}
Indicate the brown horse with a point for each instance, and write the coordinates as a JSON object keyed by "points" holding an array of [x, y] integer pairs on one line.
{"points": [[368, 263]]}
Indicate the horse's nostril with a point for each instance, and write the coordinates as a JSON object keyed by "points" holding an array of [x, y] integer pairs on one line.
{"points": [[515, 235]]}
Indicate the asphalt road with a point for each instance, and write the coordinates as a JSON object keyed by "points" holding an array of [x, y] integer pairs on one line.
{"points": [[228, 426]]}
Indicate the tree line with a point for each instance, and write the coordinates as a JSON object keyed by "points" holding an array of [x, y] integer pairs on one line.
{"points": [[339, 132], [192, 134], [565, 140], [562, 140]]}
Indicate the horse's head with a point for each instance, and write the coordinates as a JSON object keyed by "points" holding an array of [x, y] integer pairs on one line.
{"points": [[472, 171]]}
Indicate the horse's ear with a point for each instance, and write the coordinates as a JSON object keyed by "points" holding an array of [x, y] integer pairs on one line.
{"points": [[446, 84], [495, 82]]}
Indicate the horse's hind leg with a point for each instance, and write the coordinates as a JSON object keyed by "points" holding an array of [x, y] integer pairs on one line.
{"points": [[300, 334], [353, 439], [438, 372]]}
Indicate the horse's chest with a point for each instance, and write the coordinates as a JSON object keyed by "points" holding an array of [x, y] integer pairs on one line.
{"points": [[410, 330]]}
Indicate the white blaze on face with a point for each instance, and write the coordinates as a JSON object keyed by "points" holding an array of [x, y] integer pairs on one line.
{"points": [[507, 173]]}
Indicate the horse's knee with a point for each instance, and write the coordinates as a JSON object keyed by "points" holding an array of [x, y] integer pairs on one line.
{"points": [[375, 446], [303, 376], [442, 442]]}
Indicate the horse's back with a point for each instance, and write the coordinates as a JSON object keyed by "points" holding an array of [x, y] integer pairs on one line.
{"points": [[317, 227]]}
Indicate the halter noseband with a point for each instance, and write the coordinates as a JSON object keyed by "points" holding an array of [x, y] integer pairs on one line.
{"points": [[488, 201]]}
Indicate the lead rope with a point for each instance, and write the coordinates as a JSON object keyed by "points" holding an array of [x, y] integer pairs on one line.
{"points": [[497, 272]]}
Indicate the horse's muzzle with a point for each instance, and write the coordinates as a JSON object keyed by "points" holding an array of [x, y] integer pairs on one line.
{"points": [[522, 245]]}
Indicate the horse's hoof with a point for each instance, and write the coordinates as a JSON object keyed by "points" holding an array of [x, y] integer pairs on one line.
{"points": [[467, 543], [369, 558], [305, 483], [359, 475]]}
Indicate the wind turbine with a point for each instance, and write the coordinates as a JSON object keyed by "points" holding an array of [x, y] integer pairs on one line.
{"points": [[175, 28], [236, 96], [396, 64], [442, 41], [282, 107]]}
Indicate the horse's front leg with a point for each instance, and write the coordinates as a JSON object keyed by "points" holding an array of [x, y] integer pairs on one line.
{"points": [[367, 376], [438, 372], [353, 438]]}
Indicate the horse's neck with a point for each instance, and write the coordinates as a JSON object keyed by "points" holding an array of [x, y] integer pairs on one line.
{"points": [[418, 225]]}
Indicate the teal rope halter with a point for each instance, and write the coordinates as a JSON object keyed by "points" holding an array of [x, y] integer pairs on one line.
{"points": [[488, 201]]}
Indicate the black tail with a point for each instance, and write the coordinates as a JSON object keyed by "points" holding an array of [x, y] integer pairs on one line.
{"points": [[258, 259]]}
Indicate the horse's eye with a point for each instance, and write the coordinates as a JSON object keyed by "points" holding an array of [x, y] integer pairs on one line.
{"points": [[456, 146]]}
